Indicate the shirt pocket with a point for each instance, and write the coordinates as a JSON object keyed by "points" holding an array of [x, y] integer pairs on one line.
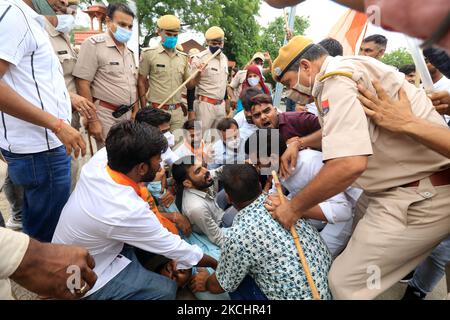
{"points": [[114, 68]]}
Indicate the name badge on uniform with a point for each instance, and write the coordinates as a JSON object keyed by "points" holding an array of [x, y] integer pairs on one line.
{"points": [[62, 52], [161, 65], [114, 63], [214, 69]]}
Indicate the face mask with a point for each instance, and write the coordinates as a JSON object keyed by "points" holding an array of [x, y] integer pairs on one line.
{"points": [[253, 82], [297, 89], [214, 49], [170, 138], [260, 67], [233, 143], [43, 8], [122, 35], [66, 23], [170, 42]]}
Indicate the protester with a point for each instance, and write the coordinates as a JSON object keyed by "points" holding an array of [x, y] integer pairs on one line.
{"points": [[259, 258], [108, 214], [229, 149], [373, 46], [410, 72], [253, 79]]}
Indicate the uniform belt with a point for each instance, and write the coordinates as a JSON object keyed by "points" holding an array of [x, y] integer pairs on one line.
{"points": [[210, 100], [167, 107], [441, 178], [108, 105]]}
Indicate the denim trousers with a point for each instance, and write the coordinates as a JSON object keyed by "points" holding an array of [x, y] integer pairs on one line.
{"points": [[45, 179], [136, 283], [428, 274], [14, 195]]}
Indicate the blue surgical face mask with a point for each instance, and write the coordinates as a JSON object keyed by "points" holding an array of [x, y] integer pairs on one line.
{"points": [[170, 42], [122, 35], [66, 23]]}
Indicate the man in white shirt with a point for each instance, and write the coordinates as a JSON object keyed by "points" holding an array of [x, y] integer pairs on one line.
{"points": [[440, 83], [32, 88], [107, 214]]}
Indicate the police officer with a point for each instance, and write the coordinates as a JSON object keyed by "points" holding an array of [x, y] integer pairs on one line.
{"points": [[58, 28], [211, 83], [162, 70], [407, 184], [106, 71]]}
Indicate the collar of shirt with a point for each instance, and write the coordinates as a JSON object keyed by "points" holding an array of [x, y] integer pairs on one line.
{"points": [[162, 50], [29, 11], [200, 193], [51, 29], [255, 205]]}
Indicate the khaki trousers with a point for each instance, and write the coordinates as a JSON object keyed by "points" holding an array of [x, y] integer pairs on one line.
{"points": [[107, 120], [209, 114], [177, 119], [399, 230]]}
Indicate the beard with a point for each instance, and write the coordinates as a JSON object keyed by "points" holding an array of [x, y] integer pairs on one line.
{"points": [[150, 176], [205, 184]]}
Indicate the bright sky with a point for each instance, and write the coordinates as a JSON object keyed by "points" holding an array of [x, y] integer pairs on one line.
{"points": [[323, 14]]}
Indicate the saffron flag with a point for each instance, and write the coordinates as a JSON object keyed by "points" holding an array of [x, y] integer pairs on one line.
{"points": [[350, 31]]}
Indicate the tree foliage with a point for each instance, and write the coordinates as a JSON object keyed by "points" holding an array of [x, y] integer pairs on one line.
{"points": [[272, 37], [398, 57]]}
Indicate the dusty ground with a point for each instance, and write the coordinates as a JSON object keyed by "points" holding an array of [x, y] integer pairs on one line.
{"points": [[394, 293]]}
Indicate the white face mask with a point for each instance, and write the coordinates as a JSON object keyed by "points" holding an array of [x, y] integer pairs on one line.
{"points": [[233, 143], [297, 89], [253, 82], [170, 138], [261, 68], [66, 22]]}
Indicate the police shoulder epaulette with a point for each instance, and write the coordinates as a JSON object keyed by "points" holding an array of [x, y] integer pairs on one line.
{"points": [[183, 53], [98, 38]]}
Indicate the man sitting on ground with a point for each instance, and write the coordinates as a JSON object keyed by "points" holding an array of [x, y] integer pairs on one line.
{"points": [[108, 213], [259, 247]]}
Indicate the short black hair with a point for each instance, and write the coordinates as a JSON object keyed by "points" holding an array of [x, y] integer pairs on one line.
{"points": [[130, 143], [153, 116], [113, 7], [189, 125], [407, 68], [379, 39], [241, 182], [246, 97], [179, 174], [261, 142], [226, 124], [314, 52], [333, 47]]}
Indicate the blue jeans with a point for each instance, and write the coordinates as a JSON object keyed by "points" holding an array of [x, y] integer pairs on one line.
{"points": [[45, 178], [136, 283], [248, 290], [428, 274]]}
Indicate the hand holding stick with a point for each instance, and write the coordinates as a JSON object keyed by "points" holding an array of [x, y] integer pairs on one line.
{"points": [[301, 254]]}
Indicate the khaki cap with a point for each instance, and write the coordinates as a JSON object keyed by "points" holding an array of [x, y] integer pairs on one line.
{"points": [[214, 33], [258, 55], [73, 2], [169, 22], [288, 54], [193, 51]]}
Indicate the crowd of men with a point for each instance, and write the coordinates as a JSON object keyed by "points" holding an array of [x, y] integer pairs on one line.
{"points": [[179, 194]]}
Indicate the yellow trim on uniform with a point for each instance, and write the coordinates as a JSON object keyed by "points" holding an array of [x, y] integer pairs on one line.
{"points": [[336, 73]]}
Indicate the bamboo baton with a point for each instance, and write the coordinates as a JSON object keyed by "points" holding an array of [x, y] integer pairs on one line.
{"points": [[90, 144], [301, 254], [192, 76]]}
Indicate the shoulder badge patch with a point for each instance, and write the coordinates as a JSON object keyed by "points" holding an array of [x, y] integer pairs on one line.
{"points": [[325, 107], [98, 38]]}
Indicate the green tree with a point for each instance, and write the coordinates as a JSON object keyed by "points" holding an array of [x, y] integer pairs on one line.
{"points": [[272, 37], [398, 58]]}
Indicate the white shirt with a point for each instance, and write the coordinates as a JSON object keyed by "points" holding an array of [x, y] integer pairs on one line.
{"points": [[309, 162], [245, 129], [168, 157], [224, 155], [443, 85], [102, 216], [35, 73]]}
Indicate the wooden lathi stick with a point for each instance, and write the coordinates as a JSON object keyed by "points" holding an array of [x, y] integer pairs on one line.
{"points": [[192, 76], [294, 234]]}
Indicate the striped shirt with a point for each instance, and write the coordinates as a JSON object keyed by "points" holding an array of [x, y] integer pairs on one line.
{"points": [[34, 73]]}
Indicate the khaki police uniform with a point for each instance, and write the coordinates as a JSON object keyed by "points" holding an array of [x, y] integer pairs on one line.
{"points": [[68, 58], [407, 216], [406, 185], [113, 77], [166, 72], [209, 105]]}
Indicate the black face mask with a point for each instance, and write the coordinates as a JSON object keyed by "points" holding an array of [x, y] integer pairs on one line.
{"points": [[214, 49]]}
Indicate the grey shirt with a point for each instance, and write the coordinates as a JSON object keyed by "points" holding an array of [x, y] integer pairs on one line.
{"points": [[204, 214]]}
